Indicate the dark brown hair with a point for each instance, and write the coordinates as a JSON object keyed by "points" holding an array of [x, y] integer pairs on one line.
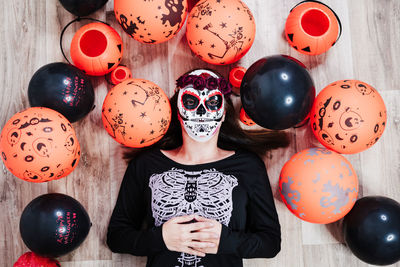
{"points": [[231, 136]]}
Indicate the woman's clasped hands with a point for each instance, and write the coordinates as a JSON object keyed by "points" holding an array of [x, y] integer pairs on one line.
{"points": [[192, 234]]}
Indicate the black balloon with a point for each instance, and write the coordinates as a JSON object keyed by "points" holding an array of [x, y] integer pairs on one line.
{"points": [[64, 88], [372, 230], [277, 92], [82, 7], [52, 225]]}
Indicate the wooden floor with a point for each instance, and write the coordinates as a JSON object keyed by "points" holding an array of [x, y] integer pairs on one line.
{"points": [[369, 50]]}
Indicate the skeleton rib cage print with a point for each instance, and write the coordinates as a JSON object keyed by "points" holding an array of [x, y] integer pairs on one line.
{"points": [[177, 192]]}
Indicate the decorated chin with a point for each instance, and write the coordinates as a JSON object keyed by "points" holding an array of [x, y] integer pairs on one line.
{"points": [[201, 132], [201, 111]]}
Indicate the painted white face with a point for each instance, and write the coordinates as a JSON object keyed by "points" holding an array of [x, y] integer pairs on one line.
{"points": [[201, 112]]}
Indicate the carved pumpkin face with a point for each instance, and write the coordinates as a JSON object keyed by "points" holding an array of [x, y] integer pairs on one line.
{"points": [[311, 28], [348, 116], [245, 118], [96, 48], [39, 145], [151, 22]]}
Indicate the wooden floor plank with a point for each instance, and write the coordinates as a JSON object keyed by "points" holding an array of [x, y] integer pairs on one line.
{"points": [[367, 50]]}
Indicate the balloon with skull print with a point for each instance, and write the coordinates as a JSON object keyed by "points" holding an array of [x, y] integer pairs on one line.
{"points": [[201, 103], [318, 185], [348, 116], [136, 113], [151, 22], [39, 145], [220, 31]]}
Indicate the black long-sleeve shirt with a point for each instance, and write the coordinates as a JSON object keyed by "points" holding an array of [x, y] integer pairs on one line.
{"points": [[234, 191]]}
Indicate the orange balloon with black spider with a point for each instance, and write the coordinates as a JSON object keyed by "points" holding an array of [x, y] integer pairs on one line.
{"points": [[39, 145], [136, 113], [312, 28], [96, 48], [220, 31], [151, 22], [348, 116]]}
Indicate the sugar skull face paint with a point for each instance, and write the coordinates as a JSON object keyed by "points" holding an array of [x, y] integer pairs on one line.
{"points": [[201, 111]]}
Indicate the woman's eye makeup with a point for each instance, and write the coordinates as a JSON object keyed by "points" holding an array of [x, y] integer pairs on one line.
{"points": [[214, 102], [190, 101]]}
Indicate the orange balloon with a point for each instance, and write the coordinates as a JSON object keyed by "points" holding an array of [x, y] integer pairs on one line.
{"points": [[312, 28], [151, 22], [220, 32], [136, 113], [39, 145], [96, 48], [120, 74], [318, 185], [245, 118], [348, 116]]}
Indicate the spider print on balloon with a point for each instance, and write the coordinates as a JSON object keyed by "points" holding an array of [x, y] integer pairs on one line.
{"points": [[178, 192]]}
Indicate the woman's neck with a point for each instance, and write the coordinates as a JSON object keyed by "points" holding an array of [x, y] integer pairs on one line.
{"points": [[194, 152]]}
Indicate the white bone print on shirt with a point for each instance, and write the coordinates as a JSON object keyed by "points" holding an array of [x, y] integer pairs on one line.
{"points": [[177, 192]]}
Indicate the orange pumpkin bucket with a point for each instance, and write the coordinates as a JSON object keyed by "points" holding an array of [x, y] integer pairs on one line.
{"points": [[236, 76], [348, 116], [39, 145], [244, 118], [220, 32], [318, 185], [312, 27], [120, 74], [96, 48], [151, 22], [136, 113]]}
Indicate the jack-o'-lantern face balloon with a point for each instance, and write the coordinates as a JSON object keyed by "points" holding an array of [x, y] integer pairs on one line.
{"points": [[136, 113], [151, 22], [348, 116], [220, 31], [39, 145]]}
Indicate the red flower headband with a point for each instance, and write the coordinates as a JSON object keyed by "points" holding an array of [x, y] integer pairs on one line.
{"points": [[200, 82]]}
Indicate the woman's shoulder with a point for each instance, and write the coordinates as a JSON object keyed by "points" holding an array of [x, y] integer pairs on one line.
{"points": [[144, 156], [249, 156]]}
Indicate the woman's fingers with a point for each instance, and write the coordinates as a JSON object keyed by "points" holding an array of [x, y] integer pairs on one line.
{"points": [[183, 219], [199, 225], [193, 252], [202, 219], [203, 236], [196, 244]]}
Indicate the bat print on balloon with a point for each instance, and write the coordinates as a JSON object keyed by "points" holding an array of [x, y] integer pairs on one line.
{"points": [[39, 145], [348, 116], [151, 21], [136, 113], [220, 32]]}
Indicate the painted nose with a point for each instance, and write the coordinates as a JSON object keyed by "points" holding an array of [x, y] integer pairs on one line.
{"points": [[201, 110]]}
